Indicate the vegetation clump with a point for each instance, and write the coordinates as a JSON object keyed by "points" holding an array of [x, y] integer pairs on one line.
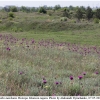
{"points": [[96, 20], [42, 10], [11, 14]]}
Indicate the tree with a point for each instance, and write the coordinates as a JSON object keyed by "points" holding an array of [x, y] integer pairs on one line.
{"points": [[32, 9], [79, 14], [25, 9], [83, 9], [42, 10], [57, 7], [71, 7], [89, 13], [97, 13], [65, 12], [13, 9]]}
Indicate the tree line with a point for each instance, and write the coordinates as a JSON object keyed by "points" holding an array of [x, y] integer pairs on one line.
{"points": [[77, 12]]}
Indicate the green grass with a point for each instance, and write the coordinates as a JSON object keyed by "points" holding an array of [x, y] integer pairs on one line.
{"points": [[87, 37]]}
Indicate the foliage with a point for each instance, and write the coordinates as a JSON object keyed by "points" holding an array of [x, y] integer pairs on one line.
{"points": [[57, 7], [65, 12], [79, 14], [96, 20], [13, 9], [89, 13], [42, 10], [98, 13], [70, 12], [25, 9], [11, 14], [83, 9]]}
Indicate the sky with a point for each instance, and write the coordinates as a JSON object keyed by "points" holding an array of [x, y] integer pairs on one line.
{"points": [[37, 3]]}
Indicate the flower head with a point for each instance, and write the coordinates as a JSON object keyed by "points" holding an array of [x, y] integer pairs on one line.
{"points": [[44, 81], [56, 83], [84, 73], [96, 72], [80, 77], [71, 77], [8, 49], [21, 72], [32, 41]]}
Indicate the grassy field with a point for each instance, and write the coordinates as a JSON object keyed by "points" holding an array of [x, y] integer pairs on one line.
{"points": [[43, 56], [43, 26]]}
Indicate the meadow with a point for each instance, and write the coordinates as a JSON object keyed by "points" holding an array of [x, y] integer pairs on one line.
{"points": [[44, 56]]}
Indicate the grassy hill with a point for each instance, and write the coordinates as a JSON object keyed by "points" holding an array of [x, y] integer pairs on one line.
{"points": [[43, 26]]}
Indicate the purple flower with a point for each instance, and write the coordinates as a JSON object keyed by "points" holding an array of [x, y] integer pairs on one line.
{"points": [[96, 72], [84, 73], [56, 83], [8, 49], [44, 81], [32, 41], [71, 77], [20, 73], [80, 77]]}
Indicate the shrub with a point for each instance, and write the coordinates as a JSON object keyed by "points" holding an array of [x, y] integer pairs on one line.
{"points": [[63, 19], [11, 14], [96, 20], [42, 10], [13, 9]]}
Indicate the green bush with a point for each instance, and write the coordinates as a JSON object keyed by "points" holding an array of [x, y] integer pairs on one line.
{"points": [[96, 20], [42, 10], [13, 9], [11, 14], [63, 19]]}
